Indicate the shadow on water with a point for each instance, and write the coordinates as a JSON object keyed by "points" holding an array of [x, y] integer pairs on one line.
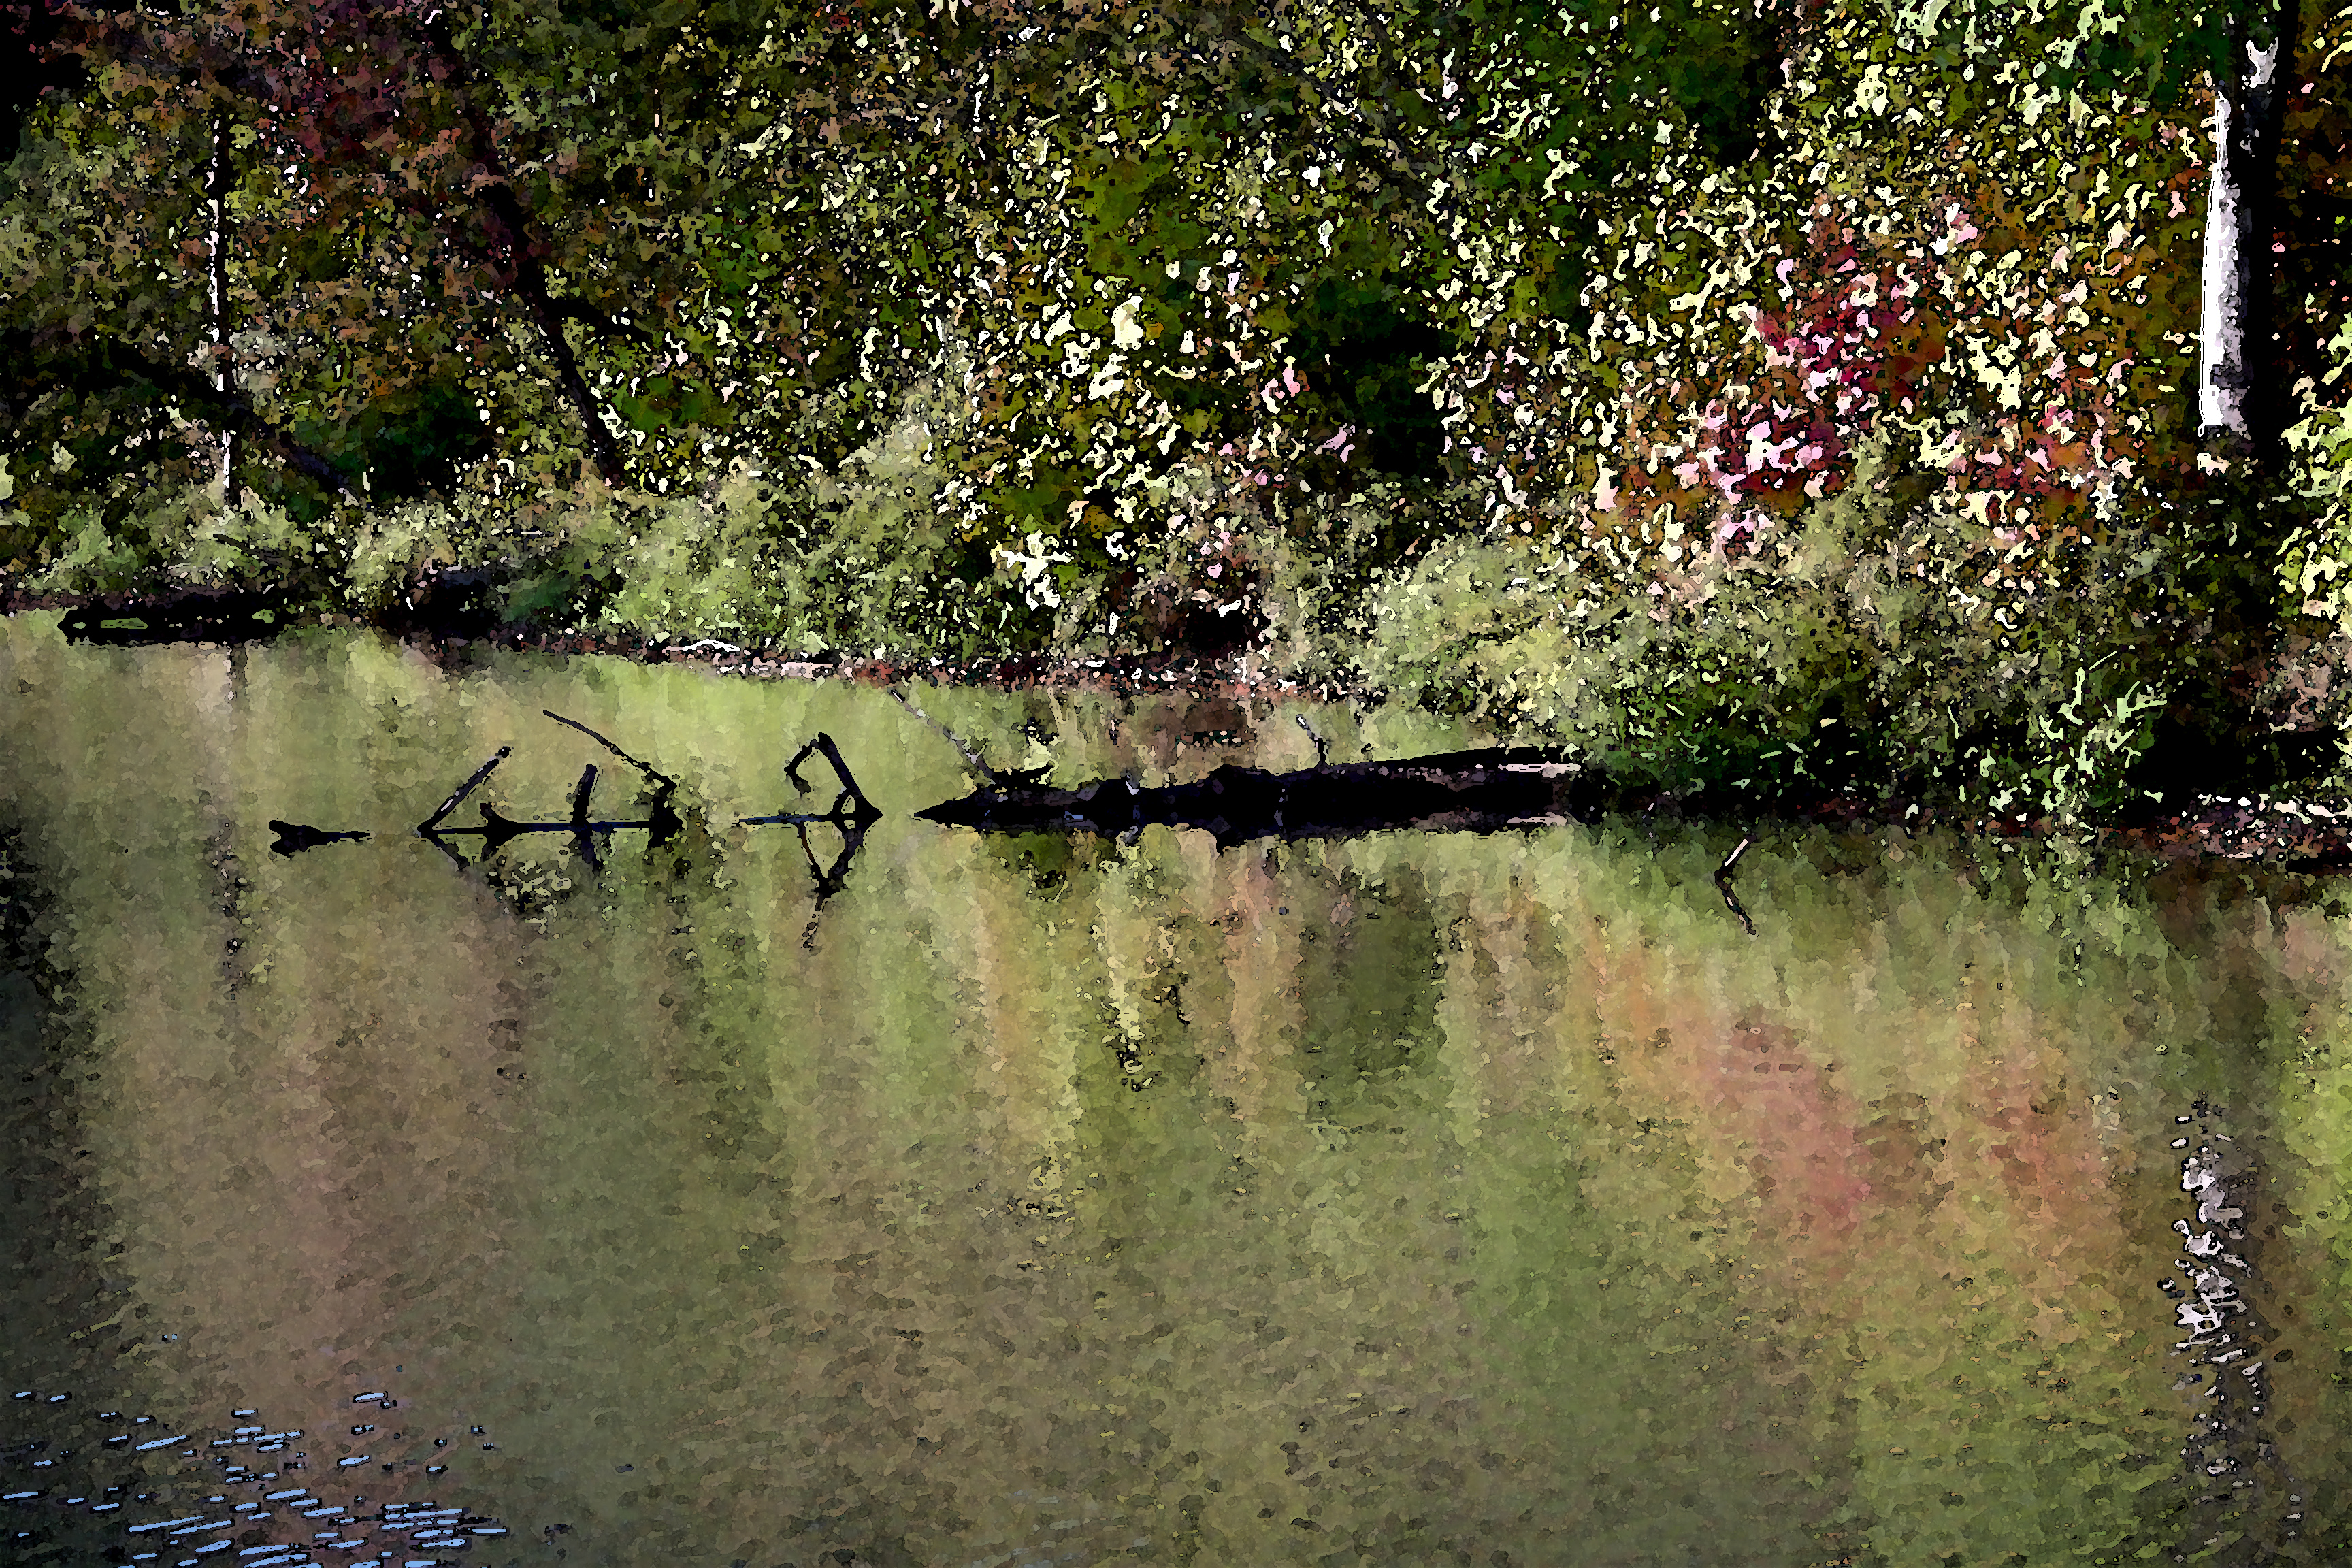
{"points": [[1369, 976], [54, 1299]]}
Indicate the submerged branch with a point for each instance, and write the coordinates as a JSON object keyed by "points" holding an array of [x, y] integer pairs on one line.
{"points": [[832, 878], [293, 838], [851, 815], [850, 806], [995, 780], [646, 768], [661, 822], [426, 826], [1723, 883]]}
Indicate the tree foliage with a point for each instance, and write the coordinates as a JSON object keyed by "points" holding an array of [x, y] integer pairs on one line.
{"points": [[1078, 324]]}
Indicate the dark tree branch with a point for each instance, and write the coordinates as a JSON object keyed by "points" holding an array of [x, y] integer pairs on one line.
{"points": [[849, 808], [294, 837], [532, 285], [580, 793], [1723, 884], [497, 828], [524, 258], [823, 742], [851, 815], [646, 768], [468, 787], [568, 308], [994, 779], [583, 839]]}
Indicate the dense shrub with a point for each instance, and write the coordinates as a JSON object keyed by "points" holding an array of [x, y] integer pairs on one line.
{"points": [[1885, 640]]}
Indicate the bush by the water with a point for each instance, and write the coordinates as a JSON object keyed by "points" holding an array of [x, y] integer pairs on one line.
{"points": [[1887, 641]]}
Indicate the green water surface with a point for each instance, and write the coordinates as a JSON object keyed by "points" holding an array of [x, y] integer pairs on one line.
{"points": [[1418, 1198]]}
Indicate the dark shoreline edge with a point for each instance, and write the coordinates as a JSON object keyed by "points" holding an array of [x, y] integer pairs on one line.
{"points": [[2299, 837]]}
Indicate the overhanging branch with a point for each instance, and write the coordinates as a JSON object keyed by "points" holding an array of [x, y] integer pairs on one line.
{"points": [[113, 366]]}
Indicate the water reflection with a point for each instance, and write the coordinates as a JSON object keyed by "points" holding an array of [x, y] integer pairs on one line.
{"points": [[2234, 1463], [1397, 1197]]}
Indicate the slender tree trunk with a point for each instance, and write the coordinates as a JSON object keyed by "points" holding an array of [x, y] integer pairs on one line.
{"points": [[532, 284], [217, 182], [2235, 407], [509, 231]]}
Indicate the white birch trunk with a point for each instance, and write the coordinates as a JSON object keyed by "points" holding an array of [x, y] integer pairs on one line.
{"points": [[2236, 281], [217, 268]]}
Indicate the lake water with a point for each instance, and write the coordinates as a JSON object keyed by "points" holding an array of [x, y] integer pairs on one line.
{"points": [[1416, 1198]]}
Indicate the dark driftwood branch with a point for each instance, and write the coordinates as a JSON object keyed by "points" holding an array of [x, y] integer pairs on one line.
{"points": [[1723, 884], [293, 838], [995, 780], [849, 808], [646, 768], [851, 815], [497, 828], [581, 792], [661, 822], [584, 838], [468, 787], [952, 738], [822, 743]]}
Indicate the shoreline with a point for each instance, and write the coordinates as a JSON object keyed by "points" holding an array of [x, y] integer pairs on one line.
{"points": [[2297, 836], [223, 616]]}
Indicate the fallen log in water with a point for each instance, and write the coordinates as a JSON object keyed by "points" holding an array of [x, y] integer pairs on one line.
{"points": [[1484, 790]]}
